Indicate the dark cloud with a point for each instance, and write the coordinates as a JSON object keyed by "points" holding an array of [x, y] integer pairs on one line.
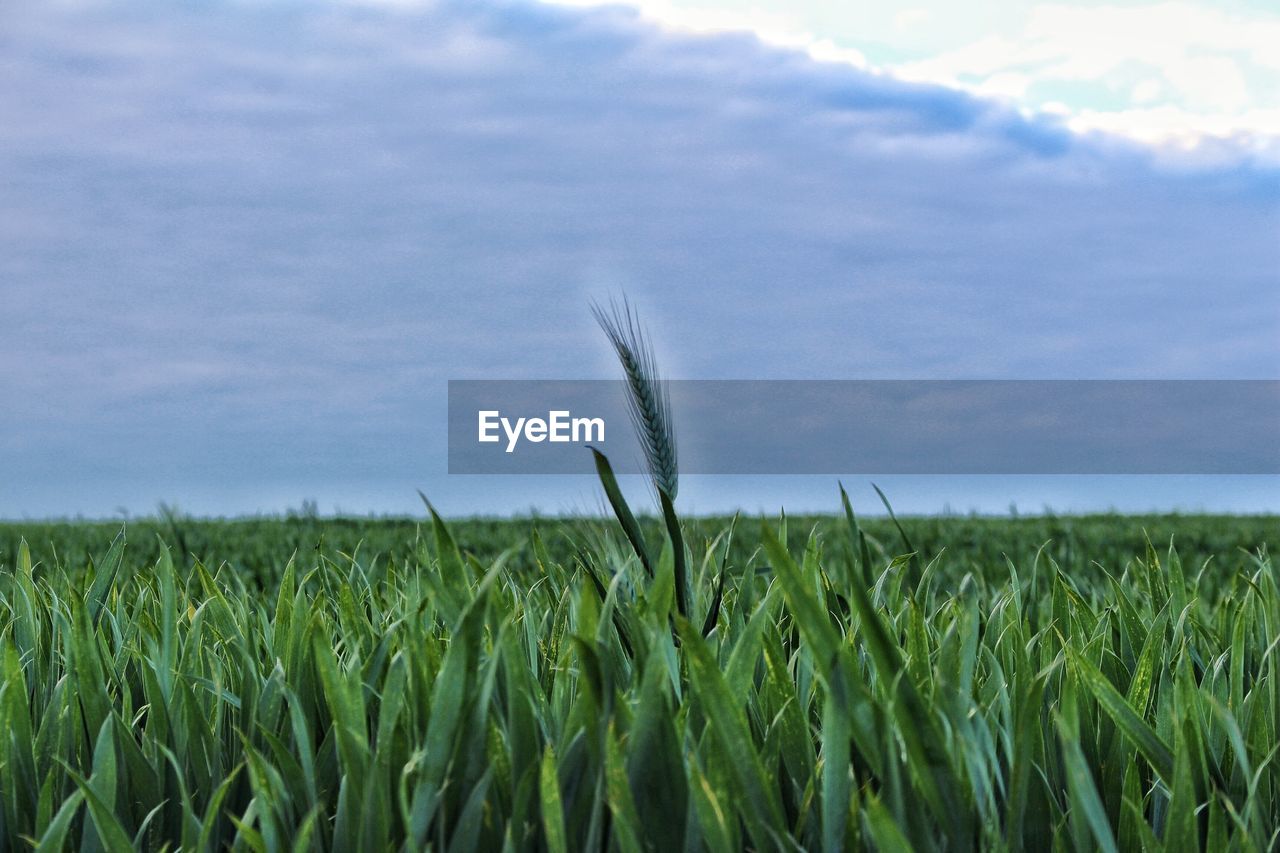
{"points": [[248, 243]]}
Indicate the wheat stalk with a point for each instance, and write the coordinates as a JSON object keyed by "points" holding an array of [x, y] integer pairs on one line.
{"points": [[647, 399]]}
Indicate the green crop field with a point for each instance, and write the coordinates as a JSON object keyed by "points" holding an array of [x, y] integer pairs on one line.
{"points": [[1102, 682]]}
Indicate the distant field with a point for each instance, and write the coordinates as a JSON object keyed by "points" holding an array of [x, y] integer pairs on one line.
{"points": [[259, 548], [1035, 683]]}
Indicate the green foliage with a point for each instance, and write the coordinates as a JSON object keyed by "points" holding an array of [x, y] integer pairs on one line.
{"points": [[648, 398], [1035, 683]]}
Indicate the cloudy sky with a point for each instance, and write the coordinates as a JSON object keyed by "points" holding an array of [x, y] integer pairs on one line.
{"points": [[243, 246]]}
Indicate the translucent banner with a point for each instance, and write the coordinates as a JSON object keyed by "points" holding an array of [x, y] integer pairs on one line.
{"points": [[876, 426]]}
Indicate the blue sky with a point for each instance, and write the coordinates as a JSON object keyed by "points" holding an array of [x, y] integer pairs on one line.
{"points": [[244, 245]]}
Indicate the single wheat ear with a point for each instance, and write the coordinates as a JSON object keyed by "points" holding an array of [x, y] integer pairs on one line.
{"points": [[647, 398]]}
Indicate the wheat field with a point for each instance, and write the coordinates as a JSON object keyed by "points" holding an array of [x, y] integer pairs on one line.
{"points": [[928, 684]]}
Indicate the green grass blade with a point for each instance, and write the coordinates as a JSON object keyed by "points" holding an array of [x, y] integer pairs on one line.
{"points": [[1150, 744], [630, 527]]}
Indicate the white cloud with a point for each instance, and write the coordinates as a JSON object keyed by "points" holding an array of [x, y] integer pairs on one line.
{"points": [[1147, 91], [1212, 73], [1106, 63], [909, 19], [1005, 84], [1179, 136]]}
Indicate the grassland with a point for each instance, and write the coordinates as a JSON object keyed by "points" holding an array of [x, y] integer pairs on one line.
{"points": [[1103, 682]]}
